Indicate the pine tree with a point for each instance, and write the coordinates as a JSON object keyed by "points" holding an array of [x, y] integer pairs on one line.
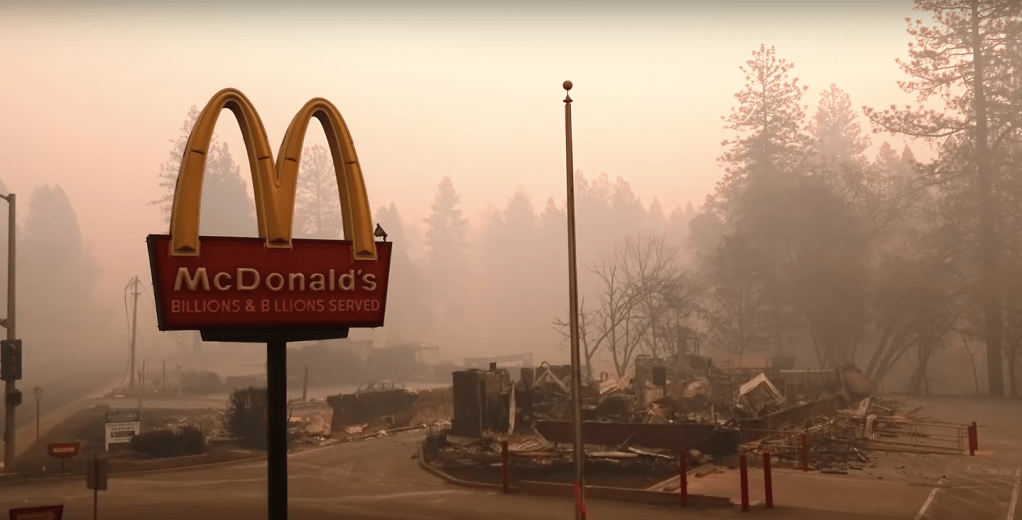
{"points": [[963, 60], [57, 270], [446, 256], [835, 131], [446, 229], [769, 119], [317, 202], [227, 208]]}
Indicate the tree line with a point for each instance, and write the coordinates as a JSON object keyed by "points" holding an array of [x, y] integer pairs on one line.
{"points": [[807, 247]]}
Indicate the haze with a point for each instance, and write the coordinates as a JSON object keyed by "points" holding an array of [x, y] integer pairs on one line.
{"points": [[95, 93]]}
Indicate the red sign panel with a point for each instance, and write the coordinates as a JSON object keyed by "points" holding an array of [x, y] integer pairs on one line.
{"points": [[37, 513], [64, 449], [241, 283]]}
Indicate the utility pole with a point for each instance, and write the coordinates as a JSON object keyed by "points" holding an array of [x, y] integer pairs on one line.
{"points": [[134, 328], [141, 385], [305, 383], [8, 323]]}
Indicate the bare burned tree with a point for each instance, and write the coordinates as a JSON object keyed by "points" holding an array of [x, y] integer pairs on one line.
{"points": [[590, 340], [643, 296]]}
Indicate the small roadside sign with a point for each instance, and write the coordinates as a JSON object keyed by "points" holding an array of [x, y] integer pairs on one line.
{"points": [[38, 513], [64, 449], [119, 416], [121, 426], [95, 474]]}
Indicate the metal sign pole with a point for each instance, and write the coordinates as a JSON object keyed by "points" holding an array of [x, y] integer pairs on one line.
{"points": [[276, 429], [95, 489], [9, 424]]}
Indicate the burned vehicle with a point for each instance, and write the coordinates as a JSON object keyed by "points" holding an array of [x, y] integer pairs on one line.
{"points": [[387, 401]]}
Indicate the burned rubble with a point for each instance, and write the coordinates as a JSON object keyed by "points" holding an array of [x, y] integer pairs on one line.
{"points": [[824, 420]]}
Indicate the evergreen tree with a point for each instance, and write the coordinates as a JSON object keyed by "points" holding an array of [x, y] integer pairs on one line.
{"points": [[769, 118], [836, 135], [407, 293], [56, 270], [227, 208], [964, 60], [317, 202], [447, 256]]}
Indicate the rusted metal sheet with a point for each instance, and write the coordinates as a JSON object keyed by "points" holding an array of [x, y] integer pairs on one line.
{"points": [[754, 429], [352, 409], [711, 439]]}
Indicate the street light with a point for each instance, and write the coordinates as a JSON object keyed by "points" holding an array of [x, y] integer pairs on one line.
{"points": [[576, 364], [8, 323]]}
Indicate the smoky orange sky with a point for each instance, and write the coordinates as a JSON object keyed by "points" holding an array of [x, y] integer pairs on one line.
{"points": [[93, 93]]}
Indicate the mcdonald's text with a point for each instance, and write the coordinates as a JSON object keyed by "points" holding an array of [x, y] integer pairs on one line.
{"points": [[239, 282]]}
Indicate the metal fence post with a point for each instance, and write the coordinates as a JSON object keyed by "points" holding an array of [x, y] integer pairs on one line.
{"points": [[505, 466], [683, 477]]}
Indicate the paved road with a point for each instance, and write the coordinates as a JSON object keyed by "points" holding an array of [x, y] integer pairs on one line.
{"points": [[379, 479], [375, 479], [985, 486]]}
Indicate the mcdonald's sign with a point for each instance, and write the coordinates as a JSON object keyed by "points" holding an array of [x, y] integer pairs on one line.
{"points": [[276, 284]]}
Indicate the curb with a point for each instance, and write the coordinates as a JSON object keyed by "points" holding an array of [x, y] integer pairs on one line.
{"points": [[4, 480], [456, 481], [117, 474], [596, 492]]}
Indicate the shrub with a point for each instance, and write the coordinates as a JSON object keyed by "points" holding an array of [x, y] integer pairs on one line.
{"points": [[192, 440], [246, 416], [168, 443], [196, 382]]}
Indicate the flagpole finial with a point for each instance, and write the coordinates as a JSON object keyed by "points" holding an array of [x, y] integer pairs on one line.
{"points": [[567, 85]]}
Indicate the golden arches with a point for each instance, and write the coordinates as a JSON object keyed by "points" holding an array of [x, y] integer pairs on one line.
{"points": [[274, 184], [355, 212]]}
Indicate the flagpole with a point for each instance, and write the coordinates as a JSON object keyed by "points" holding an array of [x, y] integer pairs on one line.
{"points": [[576, 364]]}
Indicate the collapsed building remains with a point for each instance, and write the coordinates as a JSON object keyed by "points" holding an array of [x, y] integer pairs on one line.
{"points": [[679, 403]]}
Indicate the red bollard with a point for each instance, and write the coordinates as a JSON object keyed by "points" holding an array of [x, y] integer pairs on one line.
{"points": [[507, 468], [744, 475], [768, 484], [975, 436], [972, 440], [683, 478], [804, 451]]}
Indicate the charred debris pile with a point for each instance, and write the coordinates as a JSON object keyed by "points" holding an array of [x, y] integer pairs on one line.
{"points": [[682, 405]]}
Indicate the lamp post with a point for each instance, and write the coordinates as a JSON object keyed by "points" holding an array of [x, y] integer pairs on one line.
{"points": [[8, 323], [38, 393], [576, 365]]}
